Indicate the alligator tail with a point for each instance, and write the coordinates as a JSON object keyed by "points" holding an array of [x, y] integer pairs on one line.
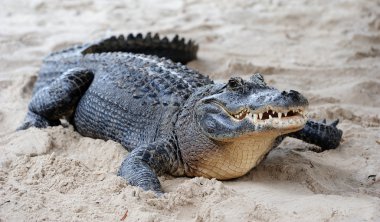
{"points": [[177, 49]]}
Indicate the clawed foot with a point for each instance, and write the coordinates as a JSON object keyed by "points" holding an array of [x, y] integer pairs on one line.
{"points": [[334, 135], [334, 124], [34, 120], [326, 136]]}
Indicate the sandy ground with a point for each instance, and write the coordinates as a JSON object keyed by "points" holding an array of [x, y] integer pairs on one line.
{"points": [[328, 50]]}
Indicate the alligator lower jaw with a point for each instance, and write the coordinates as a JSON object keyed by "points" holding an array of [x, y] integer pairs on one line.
{"points": [[287, 124]]}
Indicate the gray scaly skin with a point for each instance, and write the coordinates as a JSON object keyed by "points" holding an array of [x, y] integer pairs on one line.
{"points": [[169, 117]]}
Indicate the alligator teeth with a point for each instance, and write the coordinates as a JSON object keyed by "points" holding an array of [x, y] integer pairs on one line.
{"points": [[254, 117], [274, 116]]}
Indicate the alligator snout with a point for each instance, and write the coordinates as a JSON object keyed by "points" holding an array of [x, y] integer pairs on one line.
{"points": [[292, 98], [291, 92], [297, 97]]}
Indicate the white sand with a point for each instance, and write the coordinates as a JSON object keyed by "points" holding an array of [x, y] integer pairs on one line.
{"points": [[328, 50]]}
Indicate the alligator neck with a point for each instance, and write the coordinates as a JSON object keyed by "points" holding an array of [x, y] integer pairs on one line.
{"points": [[203, 156]]}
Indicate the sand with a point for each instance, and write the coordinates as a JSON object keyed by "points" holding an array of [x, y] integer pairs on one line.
{"points": [[328, 50]]}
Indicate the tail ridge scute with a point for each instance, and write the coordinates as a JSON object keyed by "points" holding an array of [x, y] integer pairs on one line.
{"points": [[176, 49]]}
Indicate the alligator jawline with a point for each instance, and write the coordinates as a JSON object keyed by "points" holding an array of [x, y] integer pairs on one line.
{"points": [[292, 116]]}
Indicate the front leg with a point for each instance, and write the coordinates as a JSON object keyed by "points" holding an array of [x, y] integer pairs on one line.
{"points": [[142, 166], [326, 136]]}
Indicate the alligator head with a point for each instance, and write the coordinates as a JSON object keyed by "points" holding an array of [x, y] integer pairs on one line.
{"points": [[248, 108], [234, 125]]}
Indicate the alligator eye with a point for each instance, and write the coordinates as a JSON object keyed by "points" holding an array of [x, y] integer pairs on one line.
{"points": [[235, 83]]}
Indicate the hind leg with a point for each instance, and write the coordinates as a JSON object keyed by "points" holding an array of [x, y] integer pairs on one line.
{"points": [[58, 99]]}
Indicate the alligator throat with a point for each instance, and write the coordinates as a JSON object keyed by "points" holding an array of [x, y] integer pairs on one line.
{"points": [[234, 159]]}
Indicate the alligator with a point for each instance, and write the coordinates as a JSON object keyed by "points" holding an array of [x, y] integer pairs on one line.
{"points": [[136, 90]]}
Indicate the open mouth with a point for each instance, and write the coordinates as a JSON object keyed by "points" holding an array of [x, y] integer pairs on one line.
{"points": [[295, 115], [269, 114]]}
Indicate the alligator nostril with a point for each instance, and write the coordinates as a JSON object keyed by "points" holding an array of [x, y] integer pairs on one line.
{"points": [[294, 92], [283, 93]]}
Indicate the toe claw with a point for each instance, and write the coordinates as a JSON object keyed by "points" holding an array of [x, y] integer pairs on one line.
{"points": [[335, 123], [159, 194]]}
